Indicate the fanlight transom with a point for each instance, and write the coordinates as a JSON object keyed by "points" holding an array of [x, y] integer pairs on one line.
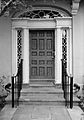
{"points": [[41, 14]]}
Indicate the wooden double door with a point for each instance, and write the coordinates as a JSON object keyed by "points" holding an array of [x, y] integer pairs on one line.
{"points": [[42, 54]]}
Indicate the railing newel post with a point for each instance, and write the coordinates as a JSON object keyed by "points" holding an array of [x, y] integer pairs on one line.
{"points": [[17, 84], [13, 91], [67, 86], [71, 92]]}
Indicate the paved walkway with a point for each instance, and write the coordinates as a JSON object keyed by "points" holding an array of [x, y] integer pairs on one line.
{"points": [[40, 112], [7, 112]]}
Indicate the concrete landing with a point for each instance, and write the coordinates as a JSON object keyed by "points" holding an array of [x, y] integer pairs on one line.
{"points": [[7, 112], [34, 112], [40, 112]]}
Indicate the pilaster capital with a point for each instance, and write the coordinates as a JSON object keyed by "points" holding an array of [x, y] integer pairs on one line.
{"points": [[75, 6]]}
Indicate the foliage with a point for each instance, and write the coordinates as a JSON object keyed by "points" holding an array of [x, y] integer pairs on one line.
{"points": [[81, 97], [3, 82], [9, 5]]}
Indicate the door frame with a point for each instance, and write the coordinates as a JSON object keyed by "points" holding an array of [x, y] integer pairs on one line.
{"points": [[53, 50], [57, 24]]}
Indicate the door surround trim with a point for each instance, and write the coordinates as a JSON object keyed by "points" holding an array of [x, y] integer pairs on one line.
{"points": [[30, 24]]}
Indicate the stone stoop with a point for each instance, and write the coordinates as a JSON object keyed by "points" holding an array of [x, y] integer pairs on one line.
{"points": [[44, 92]]}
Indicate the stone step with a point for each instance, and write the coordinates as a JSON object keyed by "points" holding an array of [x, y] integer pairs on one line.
{"points": [[41, 99], [41, 93], [42, 84], [42, 90], [55, 103], [47, 97], [46, 100], [42, 81], [38, 93], [38, 84]]}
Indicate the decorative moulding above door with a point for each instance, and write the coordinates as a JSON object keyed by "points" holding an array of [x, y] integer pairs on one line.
{"points": [[75, 6]]}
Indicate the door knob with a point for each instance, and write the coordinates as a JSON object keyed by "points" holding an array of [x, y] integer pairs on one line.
{"points": [[53, 57]]}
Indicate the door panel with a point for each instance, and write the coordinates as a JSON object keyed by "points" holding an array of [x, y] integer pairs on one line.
{"points": [[41, 53]]}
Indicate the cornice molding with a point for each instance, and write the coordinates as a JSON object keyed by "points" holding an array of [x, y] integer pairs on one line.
{"points": [[75, 6]]}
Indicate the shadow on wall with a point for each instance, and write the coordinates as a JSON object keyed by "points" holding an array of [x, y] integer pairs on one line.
{"points": [[5, 45]]}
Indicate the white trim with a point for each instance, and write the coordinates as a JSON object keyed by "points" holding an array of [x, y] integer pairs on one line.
{"points": [[41, 18], [56, 24], [41, 23], [68, 51], [59, 54], [71, 53], [14, 51], [55, 55], [26, 57]]}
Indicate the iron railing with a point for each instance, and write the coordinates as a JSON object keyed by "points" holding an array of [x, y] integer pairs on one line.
{"points": [[67, 86], [17, 85]]}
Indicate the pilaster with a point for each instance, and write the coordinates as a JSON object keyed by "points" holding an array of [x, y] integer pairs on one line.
{"points": [[71, 52], [26, 56], [55, 55], [14, 51], [59, 54]]}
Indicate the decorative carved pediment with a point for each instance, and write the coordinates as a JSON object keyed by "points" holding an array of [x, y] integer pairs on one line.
{"points": [[75, 6]]}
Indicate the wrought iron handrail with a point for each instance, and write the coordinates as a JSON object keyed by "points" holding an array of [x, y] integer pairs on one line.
{"points": [[67, 86], [17, 84]]}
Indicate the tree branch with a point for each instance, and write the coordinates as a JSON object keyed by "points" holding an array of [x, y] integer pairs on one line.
{"points": [[8, 4]]}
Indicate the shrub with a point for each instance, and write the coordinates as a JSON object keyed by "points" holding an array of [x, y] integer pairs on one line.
{"points": [[3, 92]]}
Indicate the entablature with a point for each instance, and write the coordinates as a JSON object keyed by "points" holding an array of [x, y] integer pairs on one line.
{"points": [[41, 23]]}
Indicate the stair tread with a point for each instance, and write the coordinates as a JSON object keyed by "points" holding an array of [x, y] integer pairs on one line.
{"points": [[41, 90], [45, 84], [42, 98], [40, 85], [43, 95]]}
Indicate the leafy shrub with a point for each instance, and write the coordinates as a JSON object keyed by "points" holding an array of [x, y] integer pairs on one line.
{"points": [[3, 82]]}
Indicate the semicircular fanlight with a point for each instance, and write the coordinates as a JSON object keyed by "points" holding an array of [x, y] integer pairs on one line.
{"points": [[41, 14]]}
